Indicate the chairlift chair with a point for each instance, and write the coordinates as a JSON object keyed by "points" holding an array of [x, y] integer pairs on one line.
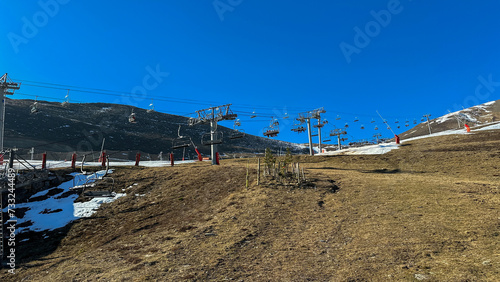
{"points": [[236, 134], [376, 127], [254, 115], [34, 108], [271, 132], [373, 121], [414, 121], [356, 119], [362, 127], [206, 138], [346, 125], [286, 116], [132, 118], [66, 101], [181, 141], [298, 128], [151, 107], [273, 129], [397, 121]]}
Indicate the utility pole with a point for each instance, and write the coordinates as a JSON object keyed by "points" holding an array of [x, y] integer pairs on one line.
{"points": [[428, 122], [213, 115], [32, 151], [6, 85]]}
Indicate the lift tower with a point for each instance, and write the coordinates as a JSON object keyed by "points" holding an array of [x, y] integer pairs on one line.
{"points": [[7, 87], [213, 115], [306, 118]]}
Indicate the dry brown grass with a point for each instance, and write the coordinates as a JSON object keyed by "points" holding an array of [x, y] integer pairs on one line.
{"points": [[430, 208]]}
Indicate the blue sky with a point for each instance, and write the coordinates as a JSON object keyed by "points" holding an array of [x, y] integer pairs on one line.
{"points": [[403, 58]]}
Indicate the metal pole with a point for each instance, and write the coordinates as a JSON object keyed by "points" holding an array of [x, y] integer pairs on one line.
{"points": [[2, 117], [340, 146], [311, 152], [213, 147], [428, 123], [319, 135]]}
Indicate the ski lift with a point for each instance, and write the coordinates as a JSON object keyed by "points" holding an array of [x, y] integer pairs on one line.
{"points": [[397, 121], [151, 107], [34, 108], [273, 129], [346, 125], [373, 121], [338, 117], [181, 141], [356, 119], [362, 127], [237, 133], [399, 126], [422, 120], [206, 139], [376, 127], [414, 121], [132, 118], [66, 101], [388, 127], [254, 115], [286, 116], [298, 127]]}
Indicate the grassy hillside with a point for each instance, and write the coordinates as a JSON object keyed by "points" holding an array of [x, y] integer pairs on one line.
{"points": [[429, 210]]}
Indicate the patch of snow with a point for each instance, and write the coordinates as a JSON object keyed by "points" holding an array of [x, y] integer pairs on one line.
{"points": [[377, 149], [87, 209], [442, 133], [37, 211], [491, 127]]}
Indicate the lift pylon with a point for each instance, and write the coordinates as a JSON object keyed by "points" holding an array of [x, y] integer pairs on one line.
{"points": [[213, 115]]}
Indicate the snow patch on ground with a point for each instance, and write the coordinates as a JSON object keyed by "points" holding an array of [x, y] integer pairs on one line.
{"points": [[378, 149], [55, 212], [86, 209], [491, 127]]}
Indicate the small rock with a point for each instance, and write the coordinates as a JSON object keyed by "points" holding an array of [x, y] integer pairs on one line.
{"points": [[210, 234], [486, 262]]}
